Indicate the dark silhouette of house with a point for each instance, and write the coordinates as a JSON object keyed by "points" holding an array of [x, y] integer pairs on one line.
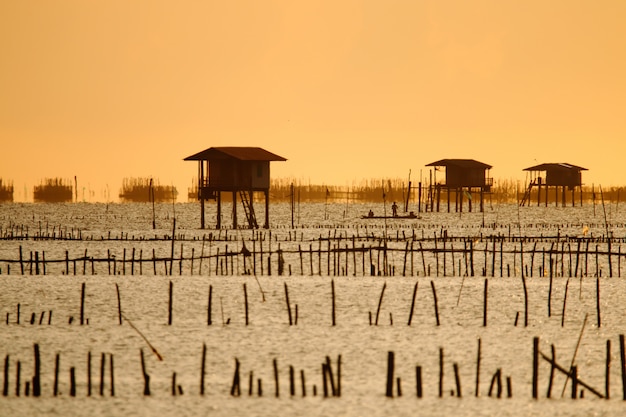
{"points": [[462, 176], [238, 170], [556, 175]]}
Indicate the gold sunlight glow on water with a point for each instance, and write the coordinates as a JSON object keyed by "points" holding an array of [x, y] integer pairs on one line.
{"points": [[344, 90]]}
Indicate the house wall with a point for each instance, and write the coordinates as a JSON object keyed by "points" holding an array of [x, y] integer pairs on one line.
{"points": [[564, 177], [260, 174], [239, 175], [465, 177]]}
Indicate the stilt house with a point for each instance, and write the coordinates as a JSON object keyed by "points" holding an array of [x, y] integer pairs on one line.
{"points": [[238, 170], [462, 176], [556, 175]]}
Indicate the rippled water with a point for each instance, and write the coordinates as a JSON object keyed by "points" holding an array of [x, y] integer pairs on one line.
{"points": [[506, 343]]}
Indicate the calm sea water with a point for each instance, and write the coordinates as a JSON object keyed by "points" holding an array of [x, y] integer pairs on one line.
{"points": [[268, 343]]}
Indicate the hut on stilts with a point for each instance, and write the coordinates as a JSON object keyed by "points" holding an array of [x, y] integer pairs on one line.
{"points": [[557, 175], [463, 177], [239, 170]]}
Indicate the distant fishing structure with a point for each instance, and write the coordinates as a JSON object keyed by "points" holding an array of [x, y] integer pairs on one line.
{"points": [[6, 191], [463, 177], [558, 175], [238, 170], [53, 190]]}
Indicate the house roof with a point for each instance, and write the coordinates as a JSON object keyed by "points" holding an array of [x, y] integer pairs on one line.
{"points": [[462, 163], [555, 166], [241, 153]]}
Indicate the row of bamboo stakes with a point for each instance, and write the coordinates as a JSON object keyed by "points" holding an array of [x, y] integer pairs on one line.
{"points": [[341, 257], [330, 384], [292, 309], [578, 386], [339, 231], [32, 386], [555, 261], [331, 380]]}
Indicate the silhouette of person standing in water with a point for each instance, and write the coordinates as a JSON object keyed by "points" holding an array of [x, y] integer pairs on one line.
{"points": [[394, 209]]}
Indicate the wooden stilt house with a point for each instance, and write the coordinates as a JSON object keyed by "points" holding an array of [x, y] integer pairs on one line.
{"points": [[464, 177], [238, 170], [560, 176]]}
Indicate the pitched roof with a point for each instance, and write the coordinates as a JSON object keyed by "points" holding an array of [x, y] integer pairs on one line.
{"points": [[242, 153], [555, 166], [463, 163]]}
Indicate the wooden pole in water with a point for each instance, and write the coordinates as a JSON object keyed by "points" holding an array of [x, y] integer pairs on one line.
{"points": [[471, 242], [552, 369], [485, 304], [457, 379], [17, 379], [332, 284], [423, 260], [169, 306], [37, 377], [432, 285], [82, 304], [288, 305], [564, 304], [5, 386], [535, 366], [390, 372], [276, 385], [22, 261], [173, 241], [152, 200], [209, 322], [235, 389], [380, 301], [419, 197], [598, 301], [525, 301], [245, 300], [119, 304], [73, 382], [477, 389], [202, 368], [418, 381], [112, 375], [338, 387], [89, 374], [550, 291], [412, 303], [146, 377], [55, 389], [102, 365]]}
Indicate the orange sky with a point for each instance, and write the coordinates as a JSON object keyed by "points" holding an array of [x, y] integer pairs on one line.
{"points": [[345, 90]]}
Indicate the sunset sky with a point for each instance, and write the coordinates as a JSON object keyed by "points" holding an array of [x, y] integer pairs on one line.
{"points": [[345, 90]]}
